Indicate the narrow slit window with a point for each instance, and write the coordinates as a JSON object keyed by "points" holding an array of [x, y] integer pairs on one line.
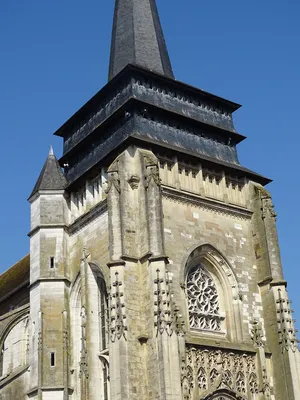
{"points": [[52, 262], [52, 359]]}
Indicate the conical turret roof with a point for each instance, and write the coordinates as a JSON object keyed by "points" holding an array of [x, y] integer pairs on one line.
{"points": [[137, 38], [51, 176]]}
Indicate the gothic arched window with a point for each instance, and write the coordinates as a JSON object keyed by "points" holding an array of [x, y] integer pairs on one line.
{"points": [[89, 337], [13, 352], [203, 301], [103, 334]]}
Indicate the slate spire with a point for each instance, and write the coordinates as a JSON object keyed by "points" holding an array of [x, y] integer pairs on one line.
{"points": [[51, 176], [137, 38]]}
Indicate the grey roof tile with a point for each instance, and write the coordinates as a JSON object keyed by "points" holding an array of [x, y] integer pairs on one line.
{"points": [[51, 176], [137, 38]]}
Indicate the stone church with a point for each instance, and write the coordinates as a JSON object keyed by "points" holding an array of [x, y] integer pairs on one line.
{"points": [[154, 270]]}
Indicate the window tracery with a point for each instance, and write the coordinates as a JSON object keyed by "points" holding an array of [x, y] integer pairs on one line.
{"points": [[225, 374], [203, 301]]}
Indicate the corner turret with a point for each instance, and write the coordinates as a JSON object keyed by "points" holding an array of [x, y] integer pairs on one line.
{"points": [[51, 176]]}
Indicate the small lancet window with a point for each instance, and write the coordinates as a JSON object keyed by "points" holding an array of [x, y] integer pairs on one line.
{"points": [[52, 262], [52, 359], [203, 301]]}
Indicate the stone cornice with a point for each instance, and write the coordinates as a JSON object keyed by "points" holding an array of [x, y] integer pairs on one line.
{"points": [[46, 226], [50, 279], [79, 223], [219, 343], [208, 204]]}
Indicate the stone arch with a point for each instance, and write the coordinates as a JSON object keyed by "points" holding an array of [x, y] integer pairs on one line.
{"points": [[102, 283], [223, 394], [89, 331], [215, 265], [14, 344], [100, 272]]}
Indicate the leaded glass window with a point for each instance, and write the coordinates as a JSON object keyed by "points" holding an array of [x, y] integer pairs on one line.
{"points": [[203, 301]]}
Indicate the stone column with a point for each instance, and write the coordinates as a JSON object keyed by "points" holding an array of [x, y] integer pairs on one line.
{"points": [[164, 340], [118, 352], [49, 283]]}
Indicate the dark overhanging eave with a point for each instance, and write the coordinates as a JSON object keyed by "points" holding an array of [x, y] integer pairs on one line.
{"points": [[238, 138], [234, 169], [88, 106], [227, 166]]}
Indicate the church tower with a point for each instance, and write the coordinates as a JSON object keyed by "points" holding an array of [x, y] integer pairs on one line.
{"points": [[155, 270]]}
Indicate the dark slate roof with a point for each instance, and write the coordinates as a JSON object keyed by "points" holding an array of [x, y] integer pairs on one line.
{"points": [[14, 278], [51, 176], [137, 38]]}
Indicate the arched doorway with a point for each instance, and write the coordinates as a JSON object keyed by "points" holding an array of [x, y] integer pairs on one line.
{"points": [[223, 395]]}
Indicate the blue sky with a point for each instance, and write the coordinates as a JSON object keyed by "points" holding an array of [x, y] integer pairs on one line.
{"points": [[54, 57]]}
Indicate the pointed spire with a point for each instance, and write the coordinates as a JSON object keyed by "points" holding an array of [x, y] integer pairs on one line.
{"points": [[137, 38], [51, 176]]}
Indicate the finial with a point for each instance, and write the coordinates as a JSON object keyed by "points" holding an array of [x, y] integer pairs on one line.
{"points": [[51, 152]]}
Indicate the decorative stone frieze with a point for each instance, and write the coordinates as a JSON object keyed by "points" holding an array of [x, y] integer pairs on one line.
{"points": [[205, 371], [187, 378], [217, 207]]}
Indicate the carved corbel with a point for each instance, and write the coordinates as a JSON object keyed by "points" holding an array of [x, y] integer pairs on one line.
{"points": [[134, 181], [152, 171], [113, 178], [113, 181], [267, 206], [257, 334]]}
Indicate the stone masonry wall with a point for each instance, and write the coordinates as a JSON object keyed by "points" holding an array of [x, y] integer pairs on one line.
{"points": [[231, 235]]}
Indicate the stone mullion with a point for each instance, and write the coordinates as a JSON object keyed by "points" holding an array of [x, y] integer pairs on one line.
{"points": [[193, 364], [247, 375], [207, 369]]}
